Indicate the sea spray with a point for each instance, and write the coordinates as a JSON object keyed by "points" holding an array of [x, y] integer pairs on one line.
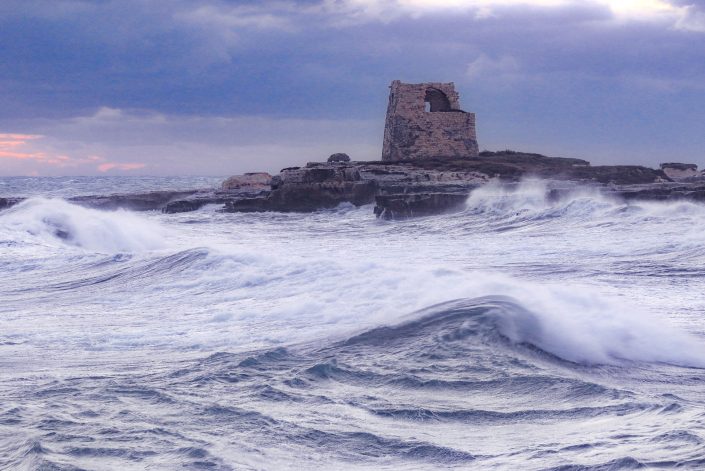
{"points": [[54, 221]]}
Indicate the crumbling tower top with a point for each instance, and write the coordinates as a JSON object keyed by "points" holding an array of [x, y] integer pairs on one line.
{"points": [[424, 121]]}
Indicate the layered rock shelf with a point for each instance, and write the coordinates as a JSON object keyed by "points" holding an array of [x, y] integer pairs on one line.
{"points": [[411, 188]]}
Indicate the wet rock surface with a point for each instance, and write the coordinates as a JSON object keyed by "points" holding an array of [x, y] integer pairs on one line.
{"points": [[402, 189], [303, 189], [153, 200], [8, 202], [419, 204], [662, 192]]}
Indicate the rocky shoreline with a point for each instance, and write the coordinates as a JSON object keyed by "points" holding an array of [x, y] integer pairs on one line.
{"points": [[411, 188]]}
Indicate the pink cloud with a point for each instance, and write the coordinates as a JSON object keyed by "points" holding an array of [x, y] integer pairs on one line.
{"points": [[20, 137], [10, 144], [20, 155], [15, 146]]}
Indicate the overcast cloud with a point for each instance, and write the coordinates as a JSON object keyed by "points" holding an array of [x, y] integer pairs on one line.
{"points": [[220, 87]]}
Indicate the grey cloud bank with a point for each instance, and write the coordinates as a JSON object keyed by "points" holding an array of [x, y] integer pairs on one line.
{"points": [[222, 87]]}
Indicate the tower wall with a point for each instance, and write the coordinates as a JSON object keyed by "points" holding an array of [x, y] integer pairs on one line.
{"points": [[412, 132]]}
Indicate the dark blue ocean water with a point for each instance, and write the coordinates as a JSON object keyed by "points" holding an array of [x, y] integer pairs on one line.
{"points": [[519, 334]]}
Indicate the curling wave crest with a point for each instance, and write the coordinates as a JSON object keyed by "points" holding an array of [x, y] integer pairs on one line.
{"points": [[54, 221]]}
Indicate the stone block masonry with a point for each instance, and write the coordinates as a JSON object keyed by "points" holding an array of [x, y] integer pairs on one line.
{"points": [[424, 121]]}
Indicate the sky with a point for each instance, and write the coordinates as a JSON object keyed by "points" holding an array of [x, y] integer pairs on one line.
{"points": [[219, 87]]}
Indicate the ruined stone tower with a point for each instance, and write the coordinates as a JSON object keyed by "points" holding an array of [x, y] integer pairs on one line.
{"points": [[424, 120]]}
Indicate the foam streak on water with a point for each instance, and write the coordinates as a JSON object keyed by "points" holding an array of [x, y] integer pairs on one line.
{"points": [[521, 333]]}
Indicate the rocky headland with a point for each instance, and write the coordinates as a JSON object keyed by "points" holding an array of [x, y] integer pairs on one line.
{"points": [[410, 188], [430, 164]]}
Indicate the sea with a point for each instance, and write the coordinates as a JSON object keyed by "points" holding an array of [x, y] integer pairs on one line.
{"points": [[521, 333]]}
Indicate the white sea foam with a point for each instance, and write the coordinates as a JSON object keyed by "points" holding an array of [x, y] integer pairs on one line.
{"points": [[274, 299], [275, 279], [582, 325], [532, 198], [54, 221], [530, 195]]}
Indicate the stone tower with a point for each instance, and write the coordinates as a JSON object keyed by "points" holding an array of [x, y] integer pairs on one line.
{"points": [[424, 121]]}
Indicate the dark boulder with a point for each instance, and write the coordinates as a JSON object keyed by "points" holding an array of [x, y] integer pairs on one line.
{"points": [[339, 157], [9, 202]]}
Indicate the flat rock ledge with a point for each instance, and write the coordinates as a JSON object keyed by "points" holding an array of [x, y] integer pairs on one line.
{"points": [[425, 187], [406, 189]]}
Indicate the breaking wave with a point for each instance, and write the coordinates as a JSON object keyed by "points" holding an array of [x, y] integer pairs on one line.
{"points": [[577, 328], [55, 221]]}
